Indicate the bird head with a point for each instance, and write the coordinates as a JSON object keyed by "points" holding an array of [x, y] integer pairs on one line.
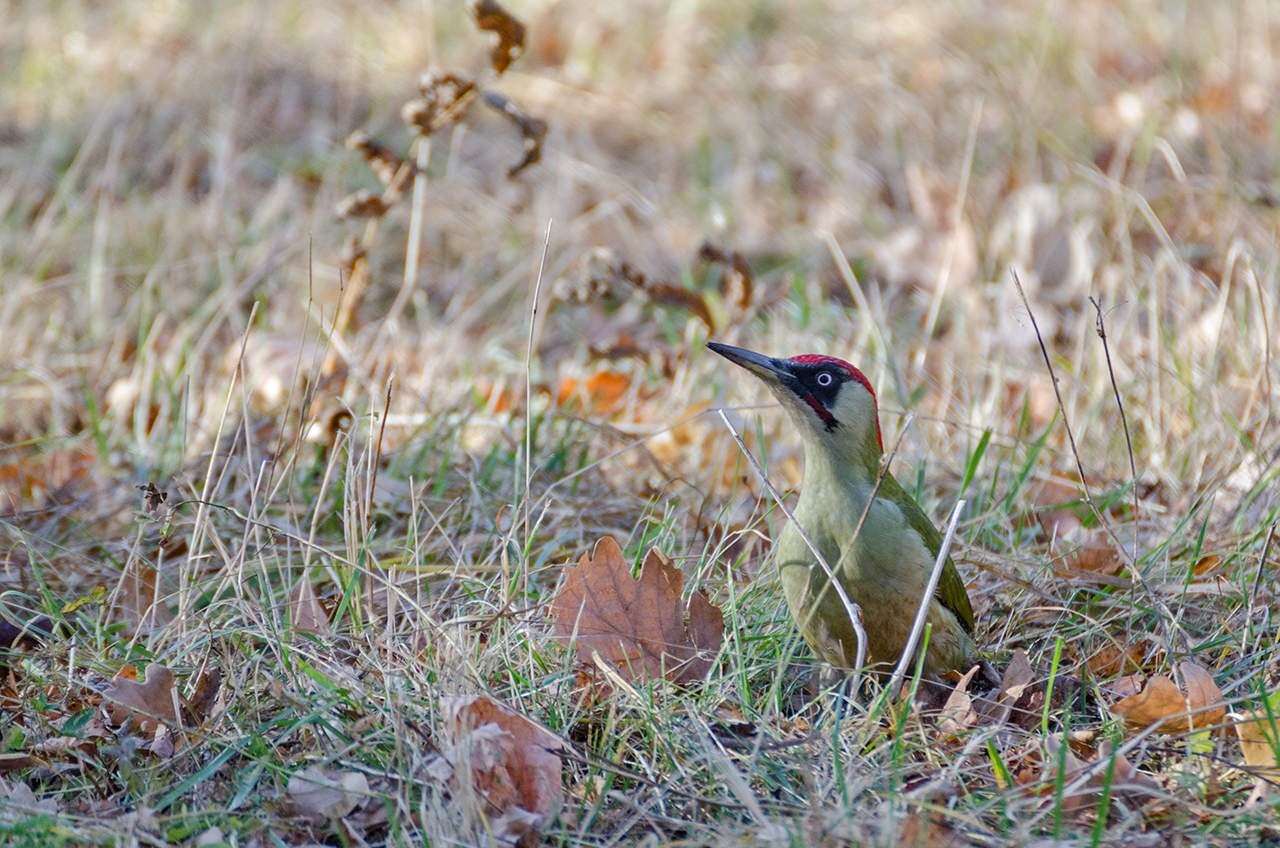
{"points": [[829, 400]]}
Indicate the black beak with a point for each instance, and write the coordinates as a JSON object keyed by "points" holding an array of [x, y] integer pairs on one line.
{"points": [[765, 367]]}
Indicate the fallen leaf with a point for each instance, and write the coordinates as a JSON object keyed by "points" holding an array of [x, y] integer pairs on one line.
{"points": [[1095, 558], [1018, 676], [1111, 659], [491, 17], [327, 794], [514, 764], [1125, 779], [20, 795], [196, 709], [140, 605], [637, 626], [1257, 732], [604, 391], [922, 830], [1160, 701], [1206, 564], [305, 611], [957, 713], [144, 704]]}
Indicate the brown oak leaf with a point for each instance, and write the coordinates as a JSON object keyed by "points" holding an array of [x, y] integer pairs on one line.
{"points": [[143, 705], [1161, 701], [637, 626], [514, 764]]}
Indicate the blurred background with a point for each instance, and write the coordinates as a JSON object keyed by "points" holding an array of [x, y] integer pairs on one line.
{"points": [[282, 258]]}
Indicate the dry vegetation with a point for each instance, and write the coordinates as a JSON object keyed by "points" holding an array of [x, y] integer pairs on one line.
{"points": [[286, 494]]}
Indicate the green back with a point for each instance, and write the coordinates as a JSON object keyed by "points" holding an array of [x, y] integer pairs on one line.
{"points": [[951, 591]]}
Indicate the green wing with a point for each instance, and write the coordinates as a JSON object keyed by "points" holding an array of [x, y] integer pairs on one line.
{"points": [[951, 591]]}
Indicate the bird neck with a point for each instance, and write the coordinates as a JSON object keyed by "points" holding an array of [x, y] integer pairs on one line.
{"points": [[846, 462]]}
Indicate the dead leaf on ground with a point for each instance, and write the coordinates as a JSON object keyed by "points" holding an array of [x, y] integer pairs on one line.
{"points": [[1161, 701], [923, 830], [327, 794], [1125, 779], [196, 709], [1112, 659], [637, 626], [140, 604], [305, 611], [1095, 559], [143, 705], [514, 764], [1206, 564], [957, 713], [491, 17], [603, 391], [1258, 737]]}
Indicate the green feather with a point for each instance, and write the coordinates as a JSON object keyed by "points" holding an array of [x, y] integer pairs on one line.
{"points": [[951, 591]]}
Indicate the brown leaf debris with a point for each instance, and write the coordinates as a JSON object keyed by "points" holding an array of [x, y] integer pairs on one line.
{"points": [[1161, 701], [143, 705], [514, 764], [491, 17], [637, 626]]}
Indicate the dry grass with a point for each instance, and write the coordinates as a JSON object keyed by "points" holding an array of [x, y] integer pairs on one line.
{"points": [[171, 267]]}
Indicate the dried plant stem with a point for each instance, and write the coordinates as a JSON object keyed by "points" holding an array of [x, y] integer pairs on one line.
{"points": [[1253, 590], [528, 389], [1167, 617], [1124, 419], [413, 245], [922, 612], [854, 611]]}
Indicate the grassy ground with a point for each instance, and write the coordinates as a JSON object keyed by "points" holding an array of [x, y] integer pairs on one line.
{"points": [[174, 283]]}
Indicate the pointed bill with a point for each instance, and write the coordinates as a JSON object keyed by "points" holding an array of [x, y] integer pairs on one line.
{"points": [[765, 367]]}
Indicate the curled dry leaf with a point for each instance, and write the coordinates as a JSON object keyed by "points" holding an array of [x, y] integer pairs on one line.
{"points": [[532, 130], [362, 204], [196, 709], [637, 626], [305, 611], [957, 713], [1095, 560], [445, 97], [1125, 779], [325, 794], [1111, 659], [606, 273], [1259, 735], [514, 764], [1161, 702], [381, 160], [491, 17], [143, 705]]}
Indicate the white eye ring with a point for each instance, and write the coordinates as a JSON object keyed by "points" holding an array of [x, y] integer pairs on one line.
{"points": [[824, 379]]}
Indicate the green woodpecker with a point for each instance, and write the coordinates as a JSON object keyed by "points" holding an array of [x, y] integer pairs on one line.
{"points": [[885, 566]]}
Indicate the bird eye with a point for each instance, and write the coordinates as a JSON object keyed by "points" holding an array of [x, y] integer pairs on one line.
{"points": [[824, 379]]}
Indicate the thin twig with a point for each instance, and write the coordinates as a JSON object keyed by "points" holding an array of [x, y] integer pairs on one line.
{"points": [[528, 387], [1167, 617], [854, 611], [922, 612], [1253, 591], [1124, 419]]}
